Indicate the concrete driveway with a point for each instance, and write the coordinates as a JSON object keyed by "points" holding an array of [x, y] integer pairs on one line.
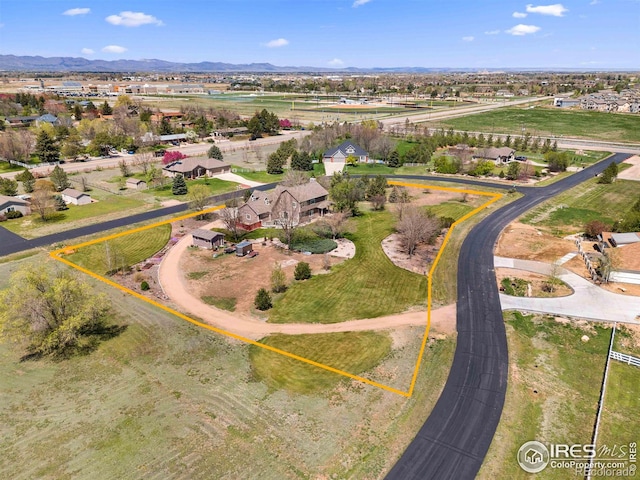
{"points": [[588, 300]]}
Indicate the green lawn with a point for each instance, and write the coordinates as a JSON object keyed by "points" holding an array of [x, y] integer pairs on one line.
{"points": [[223, 303], [367, 286], [616, 127], [256, 175], [122, 251], [455, 210], [552, 392], [568, 212], [381, 169], [215, 185], [352, 352], [106, 206], [6, 167]]}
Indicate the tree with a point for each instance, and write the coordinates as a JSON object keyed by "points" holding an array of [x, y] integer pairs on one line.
{"points": [[594, 228], [179, 186], [215, 152], [351, 160], [27, 179], [394, 159], [8, 187], [229, 216], [558, 162], [610, 173], [278, 279], [263, 300], [513, 171], [59, 178], [198, 197], [345, 194], [337, 223], [59, 204], [154, 176], [46, 148], [51, 312], [416, 226], [77, 112], [301, 161], [72, 146], [172, 156], [42, 200], [106, 109], [125, 169], [302, 271], [263, 122], [294, 177], [275, 163]]}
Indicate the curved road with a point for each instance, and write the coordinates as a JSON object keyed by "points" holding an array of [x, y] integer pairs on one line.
{"points": [[454, 440]]}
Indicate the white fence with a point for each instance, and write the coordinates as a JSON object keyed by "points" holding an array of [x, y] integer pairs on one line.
{"points": [[623, 357]]}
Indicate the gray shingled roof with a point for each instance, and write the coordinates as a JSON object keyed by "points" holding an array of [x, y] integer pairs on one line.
{"points": [[189, 164], [73, 193], [343, 147], [208, 235]]}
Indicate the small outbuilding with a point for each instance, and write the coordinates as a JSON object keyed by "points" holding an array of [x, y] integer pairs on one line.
{"points": [[76, 197], [243, 248], [207, 238], [136, 184]]}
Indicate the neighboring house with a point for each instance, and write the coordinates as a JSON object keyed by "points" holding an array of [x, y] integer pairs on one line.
{"points": [[499, 156], [207, 238], [20, 121], [136, 184], [47, 118], [564, 102], [194, 167], [174, 137], [13, 204], [76, 197], [230, 132], [293, 205], [340, 153]]}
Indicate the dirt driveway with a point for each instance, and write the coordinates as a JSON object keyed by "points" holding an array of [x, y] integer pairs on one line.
{"points": [[175, 286]]}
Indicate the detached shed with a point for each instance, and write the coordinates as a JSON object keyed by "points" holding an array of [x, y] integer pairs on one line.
{"points": [[136, 184], [207, 238], [71, 195], [243, 248]]}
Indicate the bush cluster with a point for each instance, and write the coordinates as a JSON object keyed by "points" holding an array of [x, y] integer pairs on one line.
{"points": [[316, 245]]}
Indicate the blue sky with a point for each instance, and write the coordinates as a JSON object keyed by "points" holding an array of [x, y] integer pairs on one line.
{"points": [[593, 34]]}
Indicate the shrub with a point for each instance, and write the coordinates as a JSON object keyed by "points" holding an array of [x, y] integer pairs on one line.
{"points": [[3, 217], [278, 279], [263, 300], [144, 286], [594, 228], [302, 271], [13, 214], [446, 222], [316, 245], [516, 287]]}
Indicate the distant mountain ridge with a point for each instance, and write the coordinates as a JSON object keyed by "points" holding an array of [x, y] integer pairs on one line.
{"points": [[15, 63]]}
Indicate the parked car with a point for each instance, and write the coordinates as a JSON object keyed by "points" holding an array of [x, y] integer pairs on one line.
{"points": [[230, 250], [521, 158]]}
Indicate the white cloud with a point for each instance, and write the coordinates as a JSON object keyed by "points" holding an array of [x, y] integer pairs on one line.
{"points": [[278, 42], [521, 29], [468, 39], [492, 32], [87, 51], [519, 15], [114, 49], [358, 3], [133, 19], [76, 11], [594, 2], [336, 62], [555, 10]]}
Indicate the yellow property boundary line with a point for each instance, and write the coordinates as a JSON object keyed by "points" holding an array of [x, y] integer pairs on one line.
{"points": [[58, 255]]}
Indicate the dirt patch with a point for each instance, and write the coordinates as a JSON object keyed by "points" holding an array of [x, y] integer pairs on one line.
{"points": [[419, 262], [623, 288], [632, 173], [229, 276], [537, 282], [528, 243], [423, 197]]}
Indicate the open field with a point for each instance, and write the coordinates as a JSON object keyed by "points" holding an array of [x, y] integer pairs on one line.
{"points": [[568, 212], [352, 352], [168, 400], [367, 286], [215, 186], [551, 396], [551, 121], [122, 251]]}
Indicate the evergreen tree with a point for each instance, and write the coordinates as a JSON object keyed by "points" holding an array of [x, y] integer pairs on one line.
{"points": [[394, 159], [263, 300], [59, 178], [214, 152], [393, 196], [507, 141], [8, 187], [179, 186], [301, 161], [610, 173], [302, 271], [46, 148], [27, 179], [106, 109], [77, 112], [275, 164], [59, 203]]}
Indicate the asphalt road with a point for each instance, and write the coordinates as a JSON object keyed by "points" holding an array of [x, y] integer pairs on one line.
{"points": [[454, 440], [11, 243]]}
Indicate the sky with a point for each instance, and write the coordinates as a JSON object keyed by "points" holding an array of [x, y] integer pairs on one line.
{"points": [[582, 34]]}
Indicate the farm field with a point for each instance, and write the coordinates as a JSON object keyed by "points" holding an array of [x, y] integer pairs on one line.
{"points": [[552, 122], [166, 399], [567, 213], [551, 397]]}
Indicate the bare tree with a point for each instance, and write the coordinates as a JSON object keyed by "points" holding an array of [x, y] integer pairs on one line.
{"points": [[84, 184], [43, 202], [294, 177], [415, 227], [144, 160], [230, 217], [337, 222]]}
